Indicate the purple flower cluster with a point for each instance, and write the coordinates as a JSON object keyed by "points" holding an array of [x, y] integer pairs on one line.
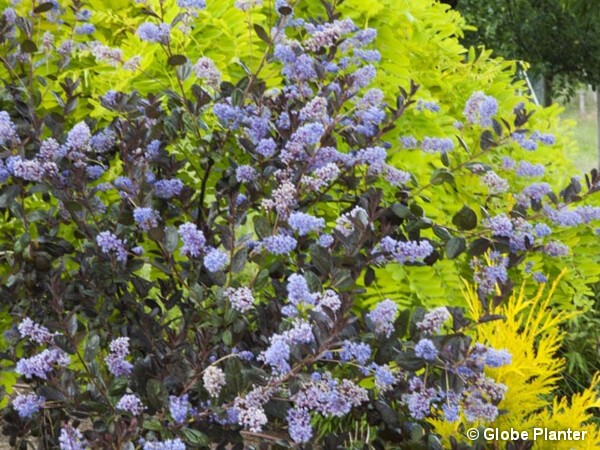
{"points": [[42, 363], [27, 405], [241, 299], [169, 444], [35, 332], [71, 438], [215, 260], [358, 351], [409, 251], [167, 189], [303, 223], [329, 397], [179, 407], [193, 239], [214, 380], [488, 276], [481, 108], [146, 218], [383, 317], [115, 361], [151, 32], [426, 349], [132, 404], [206, 70], [433, 321], [111, 244], [527, 169], [495, 183], [280, 244], [8, 130], [437, 145]]}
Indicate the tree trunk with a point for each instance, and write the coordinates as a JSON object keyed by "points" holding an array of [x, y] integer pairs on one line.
{"points": [[547, 94], [581, 94]]}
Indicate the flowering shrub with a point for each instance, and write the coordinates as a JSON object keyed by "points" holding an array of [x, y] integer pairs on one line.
{"points": [[167, 302]]}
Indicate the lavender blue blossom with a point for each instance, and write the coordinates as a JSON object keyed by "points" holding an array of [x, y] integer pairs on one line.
{"points": [[536, 191], [544, 138], [206, 70], [527, 144], [245, 174], [358, 351], [277, 356], [94, 172], [169, 444], [241, 299], [555, 248], [499, 225], [497, 358], [396, 177], [280, 244], [541, 230], [151, 32], [383, 317], [384, 378], [298, 292], [71, 438], [35, 332], [8, 130], [9, 15], [539, 277], [111, 244], [437, 145], [103, 141], [433, 320], [84, 29], [115, 361], [527, 169], [215, 260], [325, 240], [79, 137], [83, 15], [152, 150], [409, 251], [481, 108], [419, 404], [179, 407], [213, 379], [408, 142], [193, 240], [192, 4], [362, 77], [426, 349], [427, 105], [266, 147], [130, 403], [167, 189], [245, 5], [304, 223], [495, 184], [299, 426], [42, 363], [487, 277], [146, 218], [27, 405]]}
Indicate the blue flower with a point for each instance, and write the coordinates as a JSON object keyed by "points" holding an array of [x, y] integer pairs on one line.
{"points": [[27, 405], [215, 260], [425, 349]]}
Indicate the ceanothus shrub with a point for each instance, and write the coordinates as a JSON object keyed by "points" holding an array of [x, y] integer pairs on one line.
{"points": [[163, 303]]}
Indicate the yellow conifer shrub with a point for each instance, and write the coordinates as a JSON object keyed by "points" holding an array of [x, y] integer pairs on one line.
{"points": [[532, 332]]}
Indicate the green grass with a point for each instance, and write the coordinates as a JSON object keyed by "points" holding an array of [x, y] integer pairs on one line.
{"points": [[586, 133]]}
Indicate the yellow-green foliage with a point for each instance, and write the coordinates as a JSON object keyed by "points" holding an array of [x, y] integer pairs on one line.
{"points": [[532, 332]]}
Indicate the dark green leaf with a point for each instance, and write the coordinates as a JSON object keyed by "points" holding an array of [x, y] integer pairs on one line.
{"points": [[402, 211], [487, 140], [441, 176], [465, 219], [262, 34], [28, 46], [43, 7], [442, 233], [455, 247], [177, 60]]}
